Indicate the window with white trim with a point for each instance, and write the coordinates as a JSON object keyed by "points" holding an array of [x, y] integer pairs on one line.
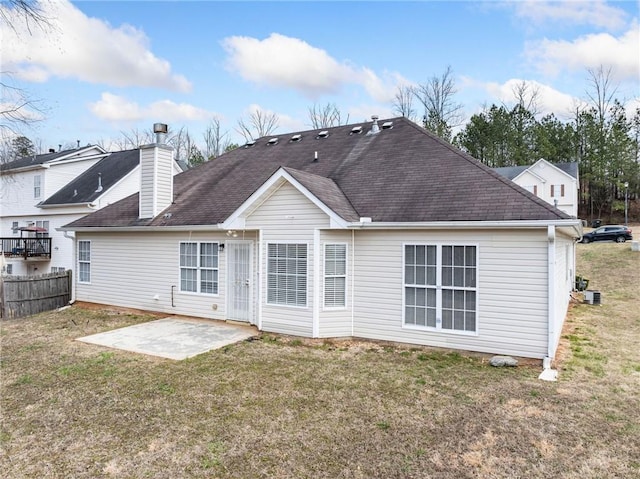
{"points": [[335, 275], [440, 287], [287, 274], [557, 191], [199, 267], [37, 186], [44, 224], [14, 227], [84, 261], [9, 268]]}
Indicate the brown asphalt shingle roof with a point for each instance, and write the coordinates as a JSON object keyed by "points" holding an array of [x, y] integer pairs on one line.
{"points": [[401, 174]]}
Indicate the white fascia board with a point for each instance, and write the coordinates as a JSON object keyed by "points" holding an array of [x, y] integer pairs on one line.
{"points": [[546, 163], [137, 229], [568, 224], [532, 173], [23, 169], [65, 205], [274, 182]]}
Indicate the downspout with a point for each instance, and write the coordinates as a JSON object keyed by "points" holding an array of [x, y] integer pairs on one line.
{"points": [[73, 255], [315, 324], [260, 278], [549, 374], [353, 278]]}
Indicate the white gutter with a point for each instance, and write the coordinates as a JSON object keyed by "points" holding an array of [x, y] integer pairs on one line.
{"points": [[118, 229], [573, 224], [315, 328]]}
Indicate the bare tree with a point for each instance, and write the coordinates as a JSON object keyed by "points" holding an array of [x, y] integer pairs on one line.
{"points": [[527, 96], [214, 140], [441, 112], [258, 124], [17, 108], [183, 144], [133, 139], [30, 12], [602, 92], [326, 116], [403, 102]]}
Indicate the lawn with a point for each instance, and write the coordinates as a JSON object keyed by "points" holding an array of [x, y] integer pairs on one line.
{"points": [[287, 408]]}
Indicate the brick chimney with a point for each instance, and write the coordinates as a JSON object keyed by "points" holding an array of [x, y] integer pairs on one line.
{"points": [[156, 175]]}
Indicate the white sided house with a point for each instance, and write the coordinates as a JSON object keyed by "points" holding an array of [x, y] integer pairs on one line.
{"points": [[555, 183], [376, 230], [42, 193]]}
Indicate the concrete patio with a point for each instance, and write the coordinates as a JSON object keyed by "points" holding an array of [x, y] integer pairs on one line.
{"points": [[173, 338]]}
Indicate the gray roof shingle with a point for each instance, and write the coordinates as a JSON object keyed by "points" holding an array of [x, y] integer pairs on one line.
{"points": [[43, 158], [401, 174], [108, 171], [511, 172]]}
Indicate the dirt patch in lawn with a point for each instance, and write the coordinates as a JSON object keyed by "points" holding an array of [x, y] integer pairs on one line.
{"points": [[289, 408]]}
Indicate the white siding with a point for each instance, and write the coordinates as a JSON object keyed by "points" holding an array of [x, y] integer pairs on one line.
{"points": [[512, 290], [156, 179], [288, 216], [337, 322], [564, 284], [130, 269]]}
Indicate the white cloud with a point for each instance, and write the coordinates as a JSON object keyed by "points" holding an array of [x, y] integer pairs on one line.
{"points": [[116, 108], [593, 12], [282, 61], [286, 62], [621, 54], [549, 100], [83, 48]]}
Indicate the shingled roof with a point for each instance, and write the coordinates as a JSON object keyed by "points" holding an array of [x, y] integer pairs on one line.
{"points": [[35, 160], [400, 174], [85, 188], [511, 172]]}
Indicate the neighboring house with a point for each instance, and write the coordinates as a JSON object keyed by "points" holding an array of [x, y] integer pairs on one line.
{"points": [[556, 183], [44, 192], [375, 230]]}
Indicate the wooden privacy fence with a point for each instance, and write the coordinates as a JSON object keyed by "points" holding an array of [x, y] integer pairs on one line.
{"points": [[22, 296]]}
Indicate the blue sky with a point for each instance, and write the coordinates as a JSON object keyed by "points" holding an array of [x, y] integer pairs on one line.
{"points": [[108, 67]]}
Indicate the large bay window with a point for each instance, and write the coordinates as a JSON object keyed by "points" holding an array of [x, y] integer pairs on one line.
{"points": [[440, 287], [199, 267], [287, 274]]}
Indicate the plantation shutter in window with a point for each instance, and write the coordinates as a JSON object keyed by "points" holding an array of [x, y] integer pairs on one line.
{"points": [[335, 275]]}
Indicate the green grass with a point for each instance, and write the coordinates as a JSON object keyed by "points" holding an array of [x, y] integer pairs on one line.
{"points": [[292, 408]]}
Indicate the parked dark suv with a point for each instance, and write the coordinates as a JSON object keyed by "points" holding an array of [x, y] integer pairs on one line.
{"points": [[616, 233]]}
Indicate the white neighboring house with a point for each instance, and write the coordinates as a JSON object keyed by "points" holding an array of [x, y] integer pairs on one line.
{"points": [[556, 183], [41, 193], [373, 230]]}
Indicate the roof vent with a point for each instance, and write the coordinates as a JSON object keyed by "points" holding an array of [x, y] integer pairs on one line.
{"points": [[249, 144], [272, 141], [99, 189], [296, 138], [161, 130], [356, 130], [387, 125], [374, 128], [75, 193], [323, 134]]}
